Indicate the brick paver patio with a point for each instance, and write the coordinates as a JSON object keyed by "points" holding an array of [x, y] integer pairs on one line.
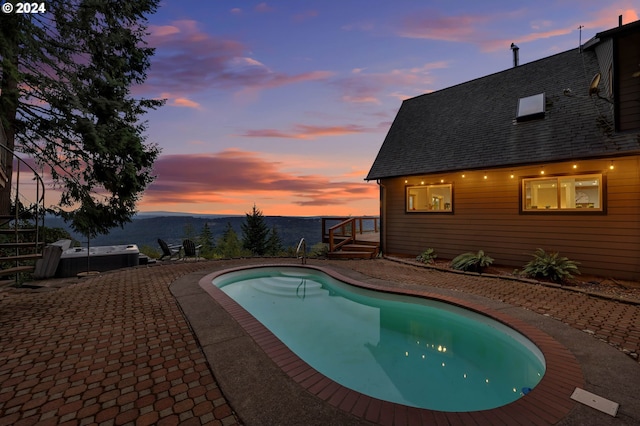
{"points": [[115, 348]]}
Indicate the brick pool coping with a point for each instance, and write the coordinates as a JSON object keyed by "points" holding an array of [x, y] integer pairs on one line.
{"points": [[547, 403]]}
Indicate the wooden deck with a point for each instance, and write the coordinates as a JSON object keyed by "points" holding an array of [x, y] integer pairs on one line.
{"points": [[352, 237]]}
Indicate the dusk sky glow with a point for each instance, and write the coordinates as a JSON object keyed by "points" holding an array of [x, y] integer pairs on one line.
{"points": [[285, 103]]}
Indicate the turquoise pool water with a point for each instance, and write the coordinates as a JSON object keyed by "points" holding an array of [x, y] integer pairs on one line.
{"points": [[402, 349]]}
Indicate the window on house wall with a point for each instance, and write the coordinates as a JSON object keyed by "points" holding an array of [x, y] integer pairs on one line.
{"points": [[577, 193], [429, 198]]}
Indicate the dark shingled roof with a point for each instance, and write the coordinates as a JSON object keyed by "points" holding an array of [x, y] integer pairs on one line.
{"points": [[473, 125]]}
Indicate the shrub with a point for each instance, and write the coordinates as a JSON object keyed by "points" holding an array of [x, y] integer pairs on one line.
{"points": [[550, 265], [472, 262], [319, 250], [427, 256], [150, 251]]}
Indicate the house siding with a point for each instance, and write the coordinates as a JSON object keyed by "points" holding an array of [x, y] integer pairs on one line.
{"points": [[628, 86], [487, 217]]}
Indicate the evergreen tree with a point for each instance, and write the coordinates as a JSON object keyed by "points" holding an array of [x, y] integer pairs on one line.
{"points": [[255, 233], [189, 231], [274, 243], [205, 239], [229, 245], [66, 76]]}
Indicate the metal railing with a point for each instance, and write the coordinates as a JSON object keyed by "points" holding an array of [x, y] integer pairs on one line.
{"points": [[26, 213], [302, 245]]}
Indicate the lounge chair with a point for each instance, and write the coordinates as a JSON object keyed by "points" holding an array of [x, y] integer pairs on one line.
{"points": [[169, 251], [191, 249]]}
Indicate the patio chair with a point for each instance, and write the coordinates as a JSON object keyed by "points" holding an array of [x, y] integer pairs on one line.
{"points": [[169, 251], [190, 249]]}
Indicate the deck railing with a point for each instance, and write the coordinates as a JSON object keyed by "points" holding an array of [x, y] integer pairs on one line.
{"points": [[346, 229]]}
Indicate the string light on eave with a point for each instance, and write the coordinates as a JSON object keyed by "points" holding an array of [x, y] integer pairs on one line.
{"points": [[611, 167]]}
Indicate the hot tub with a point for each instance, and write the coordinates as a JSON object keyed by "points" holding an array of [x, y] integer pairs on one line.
{"points": [[101, 258]]}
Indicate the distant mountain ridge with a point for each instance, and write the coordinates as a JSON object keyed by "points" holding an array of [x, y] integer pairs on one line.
{"points": [[162, 213], [145, 229]]}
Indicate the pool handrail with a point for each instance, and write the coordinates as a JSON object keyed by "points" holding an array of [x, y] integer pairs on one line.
{"points": [[302, 244]]}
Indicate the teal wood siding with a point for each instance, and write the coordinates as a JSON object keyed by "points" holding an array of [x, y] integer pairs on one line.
{"points": [[487, 217]]}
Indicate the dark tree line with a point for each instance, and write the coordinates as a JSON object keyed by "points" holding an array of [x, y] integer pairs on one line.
{"points": [[256, 240]]}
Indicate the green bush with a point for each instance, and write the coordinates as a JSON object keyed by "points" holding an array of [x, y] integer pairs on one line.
{"points": [[150, 251], [319, 250], [472, 262], [550, 265], [427, 256]]}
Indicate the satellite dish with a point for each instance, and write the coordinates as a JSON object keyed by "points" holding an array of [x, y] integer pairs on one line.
{"points": [[593, 87]]}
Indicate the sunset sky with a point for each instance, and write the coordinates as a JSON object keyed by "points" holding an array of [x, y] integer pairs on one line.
{"points": [[285, 103]]}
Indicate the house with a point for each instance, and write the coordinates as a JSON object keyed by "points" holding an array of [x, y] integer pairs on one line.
{"points": [[545, 154]]}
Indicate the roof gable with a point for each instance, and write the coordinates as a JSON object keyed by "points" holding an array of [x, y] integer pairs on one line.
{"points": [[473, 125]]}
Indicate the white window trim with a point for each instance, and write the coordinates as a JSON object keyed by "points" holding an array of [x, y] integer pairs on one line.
{"points": [[410, 200], [600, 209]]}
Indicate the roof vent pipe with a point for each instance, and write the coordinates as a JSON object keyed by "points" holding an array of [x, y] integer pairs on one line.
{"points": [[619, 20], [515, 54]]}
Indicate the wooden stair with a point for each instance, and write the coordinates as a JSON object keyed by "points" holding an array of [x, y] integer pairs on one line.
{"points": [[351, 237], [357, 250]]}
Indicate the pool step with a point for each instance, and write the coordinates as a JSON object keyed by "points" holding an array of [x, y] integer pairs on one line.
{"points": [[289, 286]]}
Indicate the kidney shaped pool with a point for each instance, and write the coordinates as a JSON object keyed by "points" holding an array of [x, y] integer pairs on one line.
{"points": [[409, 350]]}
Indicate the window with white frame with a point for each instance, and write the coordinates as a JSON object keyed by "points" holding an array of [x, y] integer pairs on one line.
{"points": [[429, 198], [563, 193]]}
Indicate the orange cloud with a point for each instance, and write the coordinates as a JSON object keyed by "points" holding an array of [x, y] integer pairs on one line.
{"points": [[233, 175], [184, 102]]}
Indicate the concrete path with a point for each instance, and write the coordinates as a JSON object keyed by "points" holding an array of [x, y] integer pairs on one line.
{"points": [[117, 349]]}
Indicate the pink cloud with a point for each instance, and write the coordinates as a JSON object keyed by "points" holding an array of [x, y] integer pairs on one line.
{"points": [[305, 16], [602, 21], [480, 29], [302, 131], [206, 178], [432, 25], [163, 30], [263, 8], [188, 60], [493, 45], [367, 87]]}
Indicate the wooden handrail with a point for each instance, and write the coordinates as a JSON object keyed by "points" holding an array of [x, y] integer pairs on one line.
{"points": [[347, 228], [341, 226]]}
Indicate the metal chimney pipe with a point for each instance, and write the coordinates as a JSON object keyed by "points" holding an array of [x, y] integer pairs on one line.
{"points": [[515, 54], [619, 20]]}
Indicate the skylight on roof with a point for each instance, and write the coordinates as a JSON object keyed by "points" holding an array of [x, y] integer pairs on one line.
{"points": [[531, 107]]}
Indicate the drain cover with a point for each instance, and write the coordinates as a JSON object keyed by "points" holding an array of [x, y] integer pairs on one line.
{"points": [[594, 401]]}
